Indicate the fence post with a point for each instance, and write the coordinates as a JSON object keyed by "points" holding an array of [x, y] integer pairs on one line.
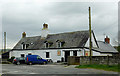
{"points": [[80, 61], [108, 60]]}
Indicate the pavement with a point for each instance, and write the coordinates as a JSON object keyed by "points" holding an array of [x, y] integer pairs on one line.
{"points": [[49, 69]]}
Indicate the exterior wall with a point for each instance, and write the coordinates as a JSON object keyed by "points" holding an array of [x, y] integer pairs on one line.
{"points": [[42, 53], [100, 54], [52, 53], [94, 53], [83, 60], [93, 42]]}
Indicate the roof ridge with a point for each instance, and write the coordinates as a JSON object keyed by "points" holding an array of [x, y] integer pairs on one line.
{"points": [[69, 32], [33, 36]]}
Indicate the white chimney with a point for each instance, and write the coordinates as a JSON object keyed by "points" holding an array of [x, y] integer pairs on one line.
{"points": [[45, 31]]}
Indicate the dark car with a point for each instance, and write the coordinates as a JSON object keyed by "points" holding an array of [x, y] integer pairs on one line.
{"points": [[19, 60]]}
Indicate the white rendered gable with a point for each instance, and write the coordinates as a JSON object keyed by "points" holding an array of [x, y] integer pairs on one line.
{"points": [[93, 42]]}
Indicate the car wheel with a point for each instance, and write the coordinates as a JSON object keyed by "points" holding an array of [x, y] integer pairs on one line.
{"points": [[30, 63], [18, 63]]}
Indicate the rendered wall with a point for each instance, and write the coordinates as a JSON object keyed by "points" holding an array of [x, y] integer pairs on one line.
{"points": [[52, 53]]}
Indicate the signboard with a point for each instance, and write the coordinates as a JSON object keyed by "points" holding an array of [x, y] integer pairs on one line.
{"points": [[87, 53], [58, 53]]}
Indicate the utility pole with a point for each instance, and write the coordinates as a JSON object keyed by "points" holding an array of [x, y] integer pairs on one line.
{"points": [[90, 42], [4, 41]]}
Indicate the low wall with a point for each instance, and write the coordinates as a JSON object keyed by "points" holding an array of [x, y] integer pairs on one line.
{"points": [[83, 60]]}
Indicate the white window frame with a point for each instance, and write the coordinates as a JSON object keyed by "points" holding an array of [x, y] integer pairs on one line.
{"points": [[46, 44], [23, 46], [59, 44]]}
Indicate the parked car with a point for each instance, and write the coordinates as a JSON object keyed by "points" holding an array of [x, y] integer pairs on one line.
{"points": [[19, 60], [34, 59]]}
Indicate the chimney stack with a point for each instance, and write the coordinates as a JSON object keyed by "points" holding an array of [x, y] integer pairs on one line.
{"points": [[23, 35], [44, 31], [107, 40]]}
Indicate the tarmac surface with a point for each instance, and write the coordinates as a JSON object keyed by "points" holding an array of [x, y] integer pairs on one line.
{"points": [[49, 69]]}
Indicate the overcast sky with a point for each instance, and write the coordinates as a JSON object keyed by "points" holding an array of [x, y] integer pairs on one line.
{"points": [[18, 17]]}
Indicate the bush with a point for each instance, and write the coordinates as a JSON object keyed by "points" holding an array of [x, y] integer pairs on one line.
{"points": [[6, 62], [11, 59]]}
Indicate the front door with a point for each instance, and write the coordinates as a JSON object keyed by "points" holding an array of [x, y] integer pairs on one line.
{"points": [[67, 53]]}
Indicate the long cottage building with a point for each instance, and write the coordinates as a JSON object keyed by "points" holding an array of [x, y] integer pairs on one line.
{"points": [[58, 47]]}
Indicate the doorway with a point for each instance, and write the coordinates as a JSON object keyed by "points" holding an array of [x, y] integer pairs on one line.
{"points": [[67, 53], [22, 55]]}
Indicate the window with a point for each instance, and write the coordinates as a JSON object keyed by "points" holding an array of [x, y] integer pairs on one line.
{"points": [[74, 53], [22, 58], [47, 55], [29, 53], [38, 57], [23, 46], [22, 55], [47, 45], [60, 43], [27, 45]]}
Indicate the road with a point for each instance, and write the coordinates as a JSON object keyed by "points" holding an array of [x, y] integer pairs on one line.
{"points": [[49, 69]]}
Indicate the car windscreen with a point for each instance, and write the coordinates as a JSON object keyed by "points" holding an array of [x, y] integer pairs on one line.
{"points": [[20, 58], [38, 57]]}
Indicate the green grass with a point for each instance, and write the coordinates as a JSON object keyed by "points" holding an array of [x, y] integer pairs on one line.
{"points": [[103, 67]]}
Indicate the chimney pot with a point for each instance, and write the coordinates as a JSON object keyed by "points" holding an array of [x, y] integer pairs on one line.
{"points": [[45, 26], [45, 31], [23, 35], [107, 40]]}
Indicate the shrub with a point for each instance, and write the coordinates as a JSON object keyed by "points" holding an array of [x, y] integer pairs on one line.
{"points": [[11, 59]]}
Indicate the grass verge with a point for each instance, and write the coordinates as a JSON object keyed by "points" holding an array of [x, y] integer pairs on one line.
{"points": [[6, 62], [102, 67]]}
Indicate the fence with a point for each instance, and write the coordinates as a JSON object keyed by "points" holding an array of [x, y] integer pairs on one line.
{"points": [[82, 60]]}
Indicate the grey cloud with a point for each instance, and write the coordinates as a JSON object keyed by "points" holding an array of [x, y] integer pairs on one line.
{"points": [[61, 17]]}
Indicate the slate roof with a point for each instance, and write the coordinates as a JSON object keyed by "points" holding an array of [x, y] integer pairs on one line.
{"points": [[105, 47], [71, 39], [26, 40]]}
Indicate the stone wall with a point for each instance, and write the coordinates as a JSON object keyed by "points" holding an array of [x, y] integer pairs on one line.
{"points": [[83, 60]]}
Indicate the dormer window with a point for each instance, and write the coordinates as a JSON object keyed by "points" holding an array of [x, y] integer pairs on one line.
{"points": [[24, 46], [27, 45], [60, 43], [48, 44]]}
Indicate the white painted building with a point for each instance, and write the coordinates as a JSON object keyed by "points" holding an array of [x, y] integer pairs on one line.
{"points": [[54, 54], [62, 45]]}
